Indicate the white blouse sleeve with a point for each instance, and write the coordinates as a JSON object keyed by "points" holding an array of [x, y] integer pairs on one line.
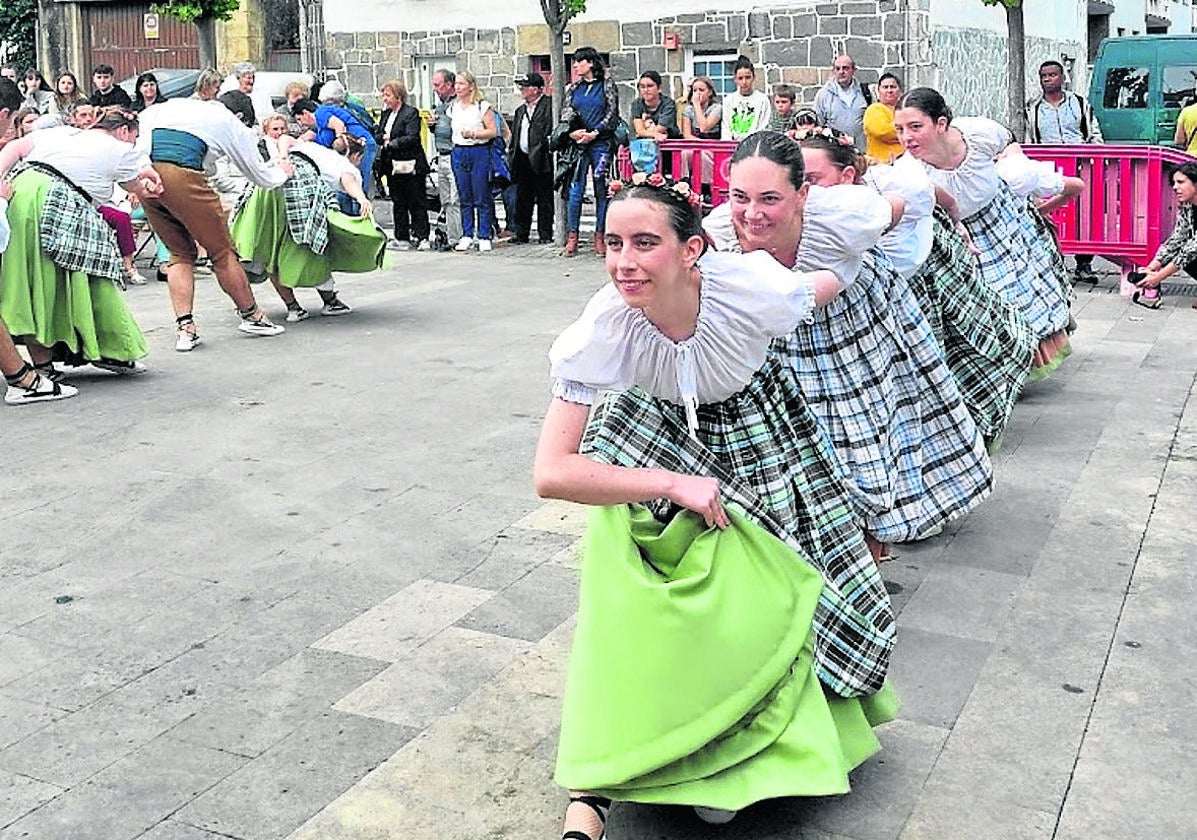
{"points": [[983, 135], [909, 243], [1030, 178], [838, 225], [718, 225]]}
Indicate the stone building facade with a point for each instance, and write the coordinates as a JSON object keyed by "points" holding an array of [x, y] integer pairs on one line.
{"points": [[792, 44]]}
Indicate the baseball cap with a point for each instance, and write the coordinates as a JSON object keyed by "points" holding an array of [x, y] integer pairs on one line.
{"points": [[532, 79]]}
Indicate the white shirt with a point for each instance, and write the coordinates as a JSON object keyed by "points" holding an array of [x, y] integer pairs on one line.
{"points": [[747, 300], [909, 243], [743, 115], [225, 135], [468, 118], [332, 164], [95, 161], [975, 182], [1030, 178], [838, 225]]}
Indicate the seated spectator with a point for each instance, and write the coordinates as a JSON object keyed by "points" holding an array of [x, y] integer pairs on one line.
{"points": [[106, 93], [654, 117], [82, 115], [146, 92], [238, 100], [292, 93], [66, 93], [38, 94], [702, 116]]}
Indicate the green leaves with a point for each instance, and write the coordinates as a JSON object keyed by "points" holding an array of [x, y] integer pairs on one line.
{"points": [[574, 7], [190, 11], [1013, 4], [18, 31]]}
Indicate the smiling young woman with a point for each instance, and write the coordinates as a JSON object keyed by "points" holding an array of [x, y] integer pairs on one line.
{"points": [[705, 448]]}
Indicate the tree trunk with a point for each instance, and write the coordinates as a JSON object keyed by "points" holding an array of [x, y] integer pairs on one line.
{"points": [[1016, 78], [207, 42], [558, 67]]}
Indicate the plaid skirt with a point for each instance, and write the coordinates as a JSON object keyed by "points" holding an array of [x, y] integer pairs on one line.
{"points": [[773, 462], [874, 376], [1018, 262], [986, 343]]}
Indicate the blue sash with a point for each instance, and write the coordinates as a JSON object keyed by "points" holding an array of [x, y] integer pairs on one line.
{"points": [[169, 145]]}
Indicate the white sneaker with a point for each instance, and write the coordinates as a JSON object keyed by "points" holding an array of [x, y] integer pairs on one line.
{"points": [[297, 314], [335, 307], [463, 244], [402, 245], [424, 245], [484, 245], [261, 327], [42, 390], [136, 278], [186, 341]]}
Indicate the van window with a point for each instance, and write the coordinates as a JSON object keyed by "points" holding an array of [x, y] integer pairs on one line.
{"points": [[1179, 84], [1126, 87]]}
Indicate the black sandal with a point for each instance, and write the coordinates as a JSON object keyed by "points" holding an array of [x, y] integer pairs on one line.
{"points": [[601, 806]]}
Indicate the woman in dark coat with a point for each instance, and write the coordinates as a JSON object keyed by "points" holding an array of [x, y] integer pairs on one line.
{"points": [[402, 162]]}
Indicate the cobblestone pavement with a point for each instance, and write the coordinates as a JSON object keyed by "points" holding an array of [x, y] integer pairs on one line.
{"points": [[301, 587]]}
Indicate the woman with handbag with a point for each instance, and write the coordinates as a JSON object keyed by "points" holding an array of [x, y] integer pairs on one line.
{"points": [[474, 128], [592, 111], [404, 166]]}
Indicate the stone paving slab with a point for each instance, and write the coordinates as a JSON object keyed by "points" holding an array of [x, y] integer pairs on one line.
{"points": [[245, 530]]}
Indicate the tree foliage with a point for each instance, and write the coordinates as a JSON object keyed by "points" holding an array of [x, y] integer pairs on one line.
{"points": [[18, 32], [190, 11]]}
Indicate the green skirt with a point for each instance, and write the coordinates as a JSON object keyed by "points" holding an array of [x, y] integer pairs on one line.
{"points": [[691, 680], [262, 238], [67, 310]]}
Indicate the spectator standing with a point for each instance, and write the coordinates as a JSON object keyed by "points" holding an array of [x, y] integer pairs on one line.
{"points": [[38, 93], [238, 101], [105, 92], [703, 115], [1061, 116], [883, 145], [841, 102], [474, 128], [532, 161], [442, 132], [1186, 128], [403, 164], [746, 110], [591, 110]]}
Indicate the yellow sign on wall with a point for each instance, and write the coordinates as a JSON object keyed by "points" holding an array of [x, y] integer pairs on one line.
{"points": [[150, 24]]}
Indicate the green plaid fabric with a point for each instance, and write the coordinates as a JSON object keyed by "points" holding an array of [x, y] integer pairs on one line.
{"points": [[986, 342], [308, 199], [73, 235], [765, 447]]}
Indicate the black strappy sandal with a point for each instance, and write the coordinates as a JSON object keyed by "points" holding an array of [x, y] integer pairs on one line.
{"points": [[601, 805]]}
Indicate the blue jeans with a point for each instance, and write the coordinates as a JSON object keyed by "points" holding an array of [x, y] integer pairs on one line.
{"points": [[596, 156], [471, 168]]}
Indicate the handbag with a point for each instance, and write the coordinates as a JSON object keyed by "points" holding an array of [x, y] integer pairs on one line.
{"points": [[403, 167], [646, 155]]}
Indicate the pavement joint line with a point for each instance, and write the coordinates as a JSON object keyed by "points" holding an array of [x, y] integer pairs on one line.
{"points": [[1179, 421]]}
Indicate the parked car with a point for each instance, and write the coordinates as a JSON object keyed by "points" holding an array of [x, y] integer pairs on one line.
{"points": [[172, 81], [268, 88], [1139, 84]]}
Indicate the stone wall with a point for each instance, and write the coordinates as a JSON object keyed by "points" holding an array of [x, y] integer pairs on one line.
{"points": [[795, 45], [981, 91]]}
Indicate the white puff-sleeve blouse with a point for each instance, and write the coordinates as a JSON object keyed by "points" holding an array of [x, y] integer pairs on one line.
{"points": [[909, 243], [746, 300], [839, 224], [1030, 178], [974, 183]]}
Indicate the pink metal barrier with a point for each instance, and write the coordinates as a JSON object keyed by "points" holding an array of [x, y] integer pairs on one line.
{"points": [[703, 163], [1127, 208]]}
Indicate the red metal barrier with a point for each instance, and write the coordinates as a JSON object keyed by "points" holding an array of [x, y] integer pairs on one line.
{"points": [[1127, 208]]}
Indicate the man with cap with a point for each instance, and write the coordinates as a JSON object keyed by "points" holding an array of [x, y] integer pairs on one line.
{"points": [[532, 161]]}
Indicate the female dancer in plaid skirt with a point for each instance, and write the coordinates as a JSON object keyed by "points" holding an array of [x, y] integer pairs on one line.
{"points": [[1013, 257], [985, 341], [868, 364], [711, 684], [59, 276]]}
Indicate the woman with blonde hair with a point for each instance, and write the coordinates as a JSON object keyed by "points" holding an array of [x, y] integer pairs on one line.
{"points": [[474, 128], [403, 164]]}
